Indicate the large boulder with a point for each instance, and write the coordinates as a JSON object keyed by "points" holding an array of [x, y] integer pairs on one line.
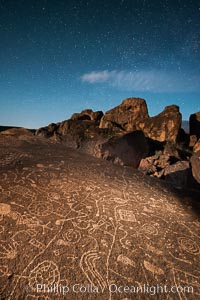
{"points": [[195, 163], [126, 115], [163, 127], [126, 150], [88, 114], [195, 124]]}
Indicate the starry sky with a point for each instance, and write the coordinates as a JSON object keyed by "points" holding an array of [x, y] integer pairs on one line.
{"points": [[60, 57]]}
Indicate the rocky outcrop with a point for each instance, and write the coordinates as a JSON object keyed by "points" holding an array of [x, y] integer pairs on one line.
{"points": [[132, 114], [195, 162], [126, 150], [195, 124], [163, 127], [126, 116], [128, 136], [88, 114]]}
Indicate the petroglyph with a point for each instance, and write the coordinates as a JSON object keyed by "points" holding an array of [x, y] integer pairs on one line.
{"points": [[71, 236], [4, 271], [126, 215], [103, 224], [37, 244], [8, 250], [44, 273], [87, 264], [12, 158], [183, 278], [153, 269], [149, 229], [125, 260], [66, 217], [40, 209], [188, 245], [22, 191]]}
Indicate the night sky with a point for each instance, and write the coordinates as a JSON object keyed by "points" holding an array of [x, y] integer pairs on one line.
{"points": [[59, 57]]}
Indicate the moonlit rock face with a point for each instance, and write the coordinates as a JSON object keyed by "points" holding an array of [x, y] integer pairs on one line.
{"points": [[74, 226], [164, 126], [127, 115]]}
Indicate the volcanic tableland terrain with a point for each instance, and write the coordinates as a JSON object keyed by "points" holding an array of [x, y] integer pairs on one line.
{"points": [[101, 206]]}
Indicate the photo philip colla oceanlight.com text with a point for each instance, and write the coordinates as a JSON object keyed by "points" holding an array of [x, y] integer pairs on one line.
{"points": [[113, 288]]}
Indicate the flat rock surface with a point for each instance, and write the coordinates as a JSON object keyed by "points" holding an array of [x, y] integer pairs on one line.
{"points": [[76, 227]]}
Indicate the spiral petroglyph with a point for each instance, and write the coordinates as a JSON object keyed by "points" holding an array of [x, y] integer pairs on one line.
{"points": [[41, 209], [45, 272], [189, 245]]}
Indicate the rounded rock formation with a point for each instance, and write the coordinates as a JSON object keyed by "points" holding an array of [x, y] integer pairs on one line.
{"points": [[164, 126], [126, 116]]}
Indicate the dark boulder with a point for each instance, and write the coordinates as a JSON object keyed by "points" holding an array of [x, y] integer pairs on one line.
{"points": [[126, 150], [195, 124]]}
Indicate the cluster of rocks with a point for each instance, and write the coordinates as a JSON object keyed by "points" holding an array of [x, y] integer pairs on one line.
{"points": [[127, 135]]}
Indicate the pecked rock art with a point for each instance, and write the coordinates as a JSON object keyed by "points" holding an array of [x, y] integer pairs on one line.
{"points": [[74, 227]]}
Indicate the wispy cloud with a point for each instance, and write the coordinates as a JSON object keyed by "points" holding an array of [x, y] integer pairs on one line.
{"points": [[144, 81], [94, 77]]}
